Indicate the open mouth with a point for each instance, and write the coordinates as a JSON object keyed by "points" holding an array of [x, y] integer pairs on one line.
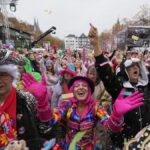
{"points": [[135, 72], [81, 93]]}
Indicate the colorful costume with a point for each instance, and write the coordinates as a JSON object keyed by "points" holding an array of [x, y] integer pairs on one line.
{"points": [[18, 118], [76, 123], [81, 117]]}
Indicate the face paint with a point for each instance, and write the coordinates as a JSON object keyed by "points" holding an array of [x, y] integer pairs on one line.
{"points": [[81, 89]]}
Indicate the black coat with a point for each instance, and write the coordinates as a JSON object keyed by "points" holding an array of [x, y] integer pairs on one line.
{"points": [[29, 127], [134, 120]]}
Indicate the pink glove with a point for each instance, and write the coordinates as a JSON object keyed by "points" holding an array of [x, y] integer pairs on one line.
{"points": [[122, 106], [39, 90]]}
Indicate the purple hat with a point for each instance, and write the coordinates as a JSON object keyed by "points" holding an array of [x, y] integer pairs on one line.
{"points": [[84, 78]]}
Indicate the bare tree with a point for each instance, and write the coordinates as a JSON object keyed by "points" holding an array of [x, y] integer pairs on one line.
{"points": [[143, 16]]}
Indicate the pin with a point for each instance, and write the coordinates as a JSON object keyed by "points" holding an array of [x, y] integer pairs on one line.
{"points": [[19, 116], [21, 130]]}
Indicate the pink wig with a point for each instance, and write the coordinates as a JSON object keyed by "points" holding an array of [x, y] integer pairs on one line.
{"points": [[89, 98], [89, 101]]}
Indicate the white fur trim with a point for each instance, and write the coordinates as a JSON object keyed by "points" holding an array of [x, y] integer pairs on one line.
{"points": [[10, 69]]}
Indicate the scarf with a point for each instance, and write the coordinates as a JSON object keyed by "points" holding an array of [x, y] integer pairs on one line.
{"points": [[8, 119]]}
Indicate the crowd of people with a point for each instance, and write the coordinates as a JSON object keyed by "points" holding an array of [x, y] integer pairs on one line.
{"points": [[103, 96]]}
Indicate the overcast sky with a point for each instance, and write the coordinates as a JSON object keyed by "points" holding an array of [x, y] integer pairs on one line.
{"points": [[74, 16]]}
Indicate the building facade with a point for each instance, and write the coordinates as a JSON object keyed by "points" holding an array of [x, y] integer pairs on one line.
{"points": [[74, 42], [16, 37]]}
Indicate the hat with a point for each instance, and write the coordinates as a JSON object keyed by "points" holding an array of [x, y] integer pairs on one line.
{"points": [[122, 72], [6, 57], [8, 63], [130, 62], [70, 69], [84, 78]]}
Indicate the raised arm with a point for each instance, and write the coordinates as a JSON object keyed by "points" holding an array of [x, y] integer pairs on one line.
{"points": [[94, 39], [103, 67], [40, 92], [120, 108]]}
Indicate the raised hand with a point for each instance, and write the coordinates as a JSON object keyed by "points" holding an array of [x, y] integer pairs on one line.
{"points": [[93, 35], [38, 89], [94, 40], [121, 107], [124, 105]]}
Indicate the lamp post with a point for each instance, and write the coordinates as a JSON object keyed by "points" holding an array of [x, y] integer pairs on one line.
{"points": [[12, 4], [3, 6]]}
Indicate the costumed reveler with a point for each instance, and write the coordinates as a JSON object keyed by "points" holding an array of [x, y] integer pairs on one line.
{"points": [[81, 111], [132, 76], [18, 118]]}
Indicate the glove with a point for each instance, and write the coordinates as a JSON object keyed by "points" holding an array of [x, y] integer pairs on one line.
{"points": [[39, 90], [124, 105], [121, 107]]}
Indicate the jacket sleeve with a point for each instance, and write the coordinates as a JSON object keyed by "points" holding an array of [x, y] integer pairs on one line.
{"points": [[48, 129], [108, 122], [148, 81], [104, 70], [59, 113]]}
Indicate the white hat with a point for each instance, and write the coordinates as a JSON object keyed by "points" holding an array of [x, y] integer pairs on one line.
{"points": [[9, 63], [131, 61]]}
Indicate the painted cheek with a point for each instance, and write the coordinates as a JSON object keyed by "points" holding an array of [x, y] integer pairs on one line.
{"points": [[75, 90]]}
